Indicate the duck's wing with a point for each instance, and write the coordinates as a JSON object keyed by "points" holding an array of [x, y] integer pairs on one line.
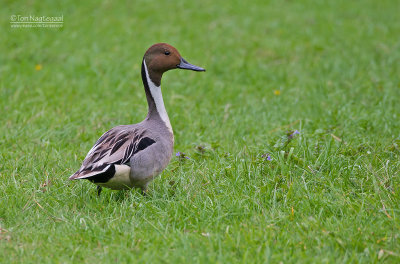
{"points": [[116, 146]]}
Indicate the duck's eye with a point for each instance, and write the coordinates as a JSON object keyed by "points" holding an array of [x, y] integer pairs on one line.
{"points": [[167, 53]]}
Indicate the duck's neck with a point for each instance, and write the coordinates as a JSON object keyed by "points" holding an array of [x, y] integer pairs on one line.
{"points": [[154, 98]]}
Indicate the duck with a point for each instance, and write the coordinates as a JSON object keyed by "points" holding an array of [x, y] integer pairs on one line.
{"points": [[131, 156]]}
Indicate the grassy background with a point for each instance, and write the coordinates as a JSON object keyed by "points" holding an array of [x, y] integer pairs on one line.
{"points": [[329, 69]]}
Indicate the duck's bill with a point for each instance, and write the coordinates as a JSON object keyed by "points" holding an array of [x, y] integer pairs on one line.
{"points": [[187, 66]]}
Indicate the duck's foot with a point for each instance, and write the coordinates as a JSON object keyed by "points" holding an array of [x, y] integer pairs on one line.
{"points": [[99, 189]]}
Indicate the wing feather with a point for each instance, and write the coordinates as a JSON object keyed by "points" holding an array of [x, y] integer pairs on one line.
{"points": [[116, 146]]}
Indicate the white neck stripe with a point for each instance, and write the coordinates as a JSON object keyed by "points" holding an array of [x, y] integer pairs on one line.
{"points": [[155, 92]]}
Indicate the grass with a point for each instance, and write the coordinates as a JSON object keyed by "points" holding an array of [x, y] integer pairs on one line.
{"points": [[329, 69]]}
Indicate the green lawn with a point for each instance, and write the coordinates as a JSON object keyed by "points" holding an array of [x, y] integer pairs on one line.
{"points": [[329, 69]]}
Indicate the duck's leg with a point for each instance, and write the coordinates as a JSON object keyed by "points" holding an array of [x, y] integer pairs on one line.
{"points": [[144, 190], [99, 189]]}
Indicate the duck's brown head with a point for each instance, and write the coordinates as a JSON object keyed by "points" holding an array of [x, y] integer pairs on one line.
{"points": [[162, 57]]}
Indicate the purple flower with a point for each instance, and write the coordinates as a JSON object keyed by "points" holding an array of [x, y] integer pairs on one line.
{"points": [[266, 156], [181, 155], [290, 134]]}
